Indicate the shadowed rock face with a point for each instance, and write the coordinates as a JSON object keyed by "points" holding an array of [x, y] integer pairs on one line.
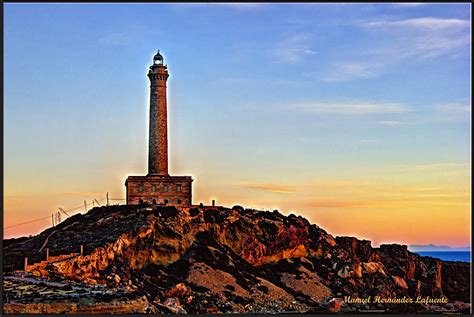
{"points": [[208, 260]]}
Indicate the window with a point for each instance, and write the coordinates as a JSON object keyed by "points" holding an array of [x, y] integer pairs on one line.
{"points": [[140, 188], [179, 201], [153, 188], [165, 188], [178, 188]]}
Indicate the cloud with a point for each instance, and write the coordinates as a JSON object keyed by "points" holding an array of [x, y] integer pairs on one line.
{"points": [[421, 38], [243, 5], [101, 194], [116, 38], [128, 36], [274, 188], [393, 123], [353, 108], [409, 4], [237, 5], [334, 203], [433, 167], [400, 42], [292, 49], [421, 23], [440, 200], [436, 166], [455, 108], [368, 141], [351, 70], [451, 112]]}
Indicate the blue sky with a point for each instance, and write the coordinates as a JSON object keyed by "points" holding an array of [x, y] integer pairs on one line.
{"points": [[261, 96]]}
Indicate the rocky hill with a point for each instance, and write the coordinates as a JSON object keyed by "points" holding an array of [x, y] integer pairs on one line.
{"points": [[221, 260]]}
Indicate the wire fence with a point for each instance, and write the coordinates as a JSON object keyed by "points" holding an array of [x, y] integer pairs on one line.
{"points": [[93, 203]]}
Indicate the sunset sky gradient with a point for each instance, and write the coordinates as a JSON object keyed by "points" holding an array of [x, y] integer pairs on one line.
{"points": [[356, 116]]}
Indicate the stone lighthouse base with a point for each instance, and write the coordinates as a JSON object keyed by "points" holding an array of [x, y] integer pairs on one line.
{"points": [[159, 189]]}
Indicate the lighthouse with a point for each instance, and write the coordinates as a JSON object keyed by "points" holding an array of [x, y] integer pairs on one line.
{"points": [[158, 187], [158, 133]]}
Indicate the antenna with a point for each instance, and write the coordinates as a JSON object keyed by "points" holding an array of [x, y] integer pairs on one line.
{"points": [[58, 217], [63, 211]]}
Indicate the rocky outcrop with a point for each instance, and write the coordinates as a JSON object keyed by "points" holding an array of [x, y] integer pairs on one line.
{"points": [[133, 306], [208, 260]]}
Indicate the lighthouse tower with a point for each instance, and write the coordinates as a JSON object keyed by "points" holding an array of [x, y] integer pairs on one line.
{"points": [[158, 187], [158, 135]]}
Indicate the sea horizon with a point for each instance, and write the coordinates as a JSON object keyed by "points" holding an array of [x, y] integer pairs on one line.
{"points": [[462, 256]]}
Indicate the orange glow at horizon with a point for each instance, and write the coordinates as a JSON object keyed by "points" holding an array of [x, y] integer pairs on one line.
{"points": [[417, 208]]}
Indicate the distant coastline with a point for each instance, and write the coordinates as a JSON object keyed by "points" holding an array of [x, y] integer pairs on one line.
{"points": [[463, 256], [432, 248]]}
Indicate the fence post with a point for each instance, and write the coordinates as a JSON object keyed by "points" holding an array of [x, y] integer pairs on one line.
{"points": [[213, 203], [82, 249], [26, 263], [47, 254]]}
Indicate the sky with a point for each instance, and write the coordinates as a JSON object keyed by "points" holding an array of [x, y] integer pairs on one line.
{"points": [[355, 116]]}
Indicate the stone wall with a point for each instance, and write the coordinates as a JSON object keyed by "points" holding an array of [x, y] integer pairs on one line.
{"points": [[152, 189], [158, 134]]}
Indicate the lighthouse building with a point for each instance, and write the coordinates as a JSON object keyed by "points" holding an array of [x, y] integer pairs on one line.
{"points": [[158, 187]]}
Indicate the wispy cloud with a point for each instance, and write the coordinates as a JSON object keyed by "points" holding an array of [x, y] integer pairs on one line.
{"points": [[442, 167], [409, 4], [421, 23], [116, 38], [435, 166], [350, 108], [243, 5], [127, 36], [411, 41], [455, 108], [393, 123], [101, 194], [293, 49], [274, 188], [339, 203], [438, 200], [456, 111], [351, 70], [422, 38], [355, 193], [368, 141], [234, 5]]}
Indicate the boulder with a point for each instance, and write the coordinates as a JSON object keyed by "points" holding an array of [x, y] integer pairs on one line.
{"points": [[400, 282], [374, 267], [334, 305]]}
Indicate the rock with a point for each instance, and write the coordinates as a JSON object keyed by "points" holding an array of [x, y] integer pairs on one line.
{"points": [[400, 282], [374, 267], [344, 272], [174, 306], [90, 281], [334, 305], [358, 270], [359, 250], [179, 290], [223, 260], [414, 288]]}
